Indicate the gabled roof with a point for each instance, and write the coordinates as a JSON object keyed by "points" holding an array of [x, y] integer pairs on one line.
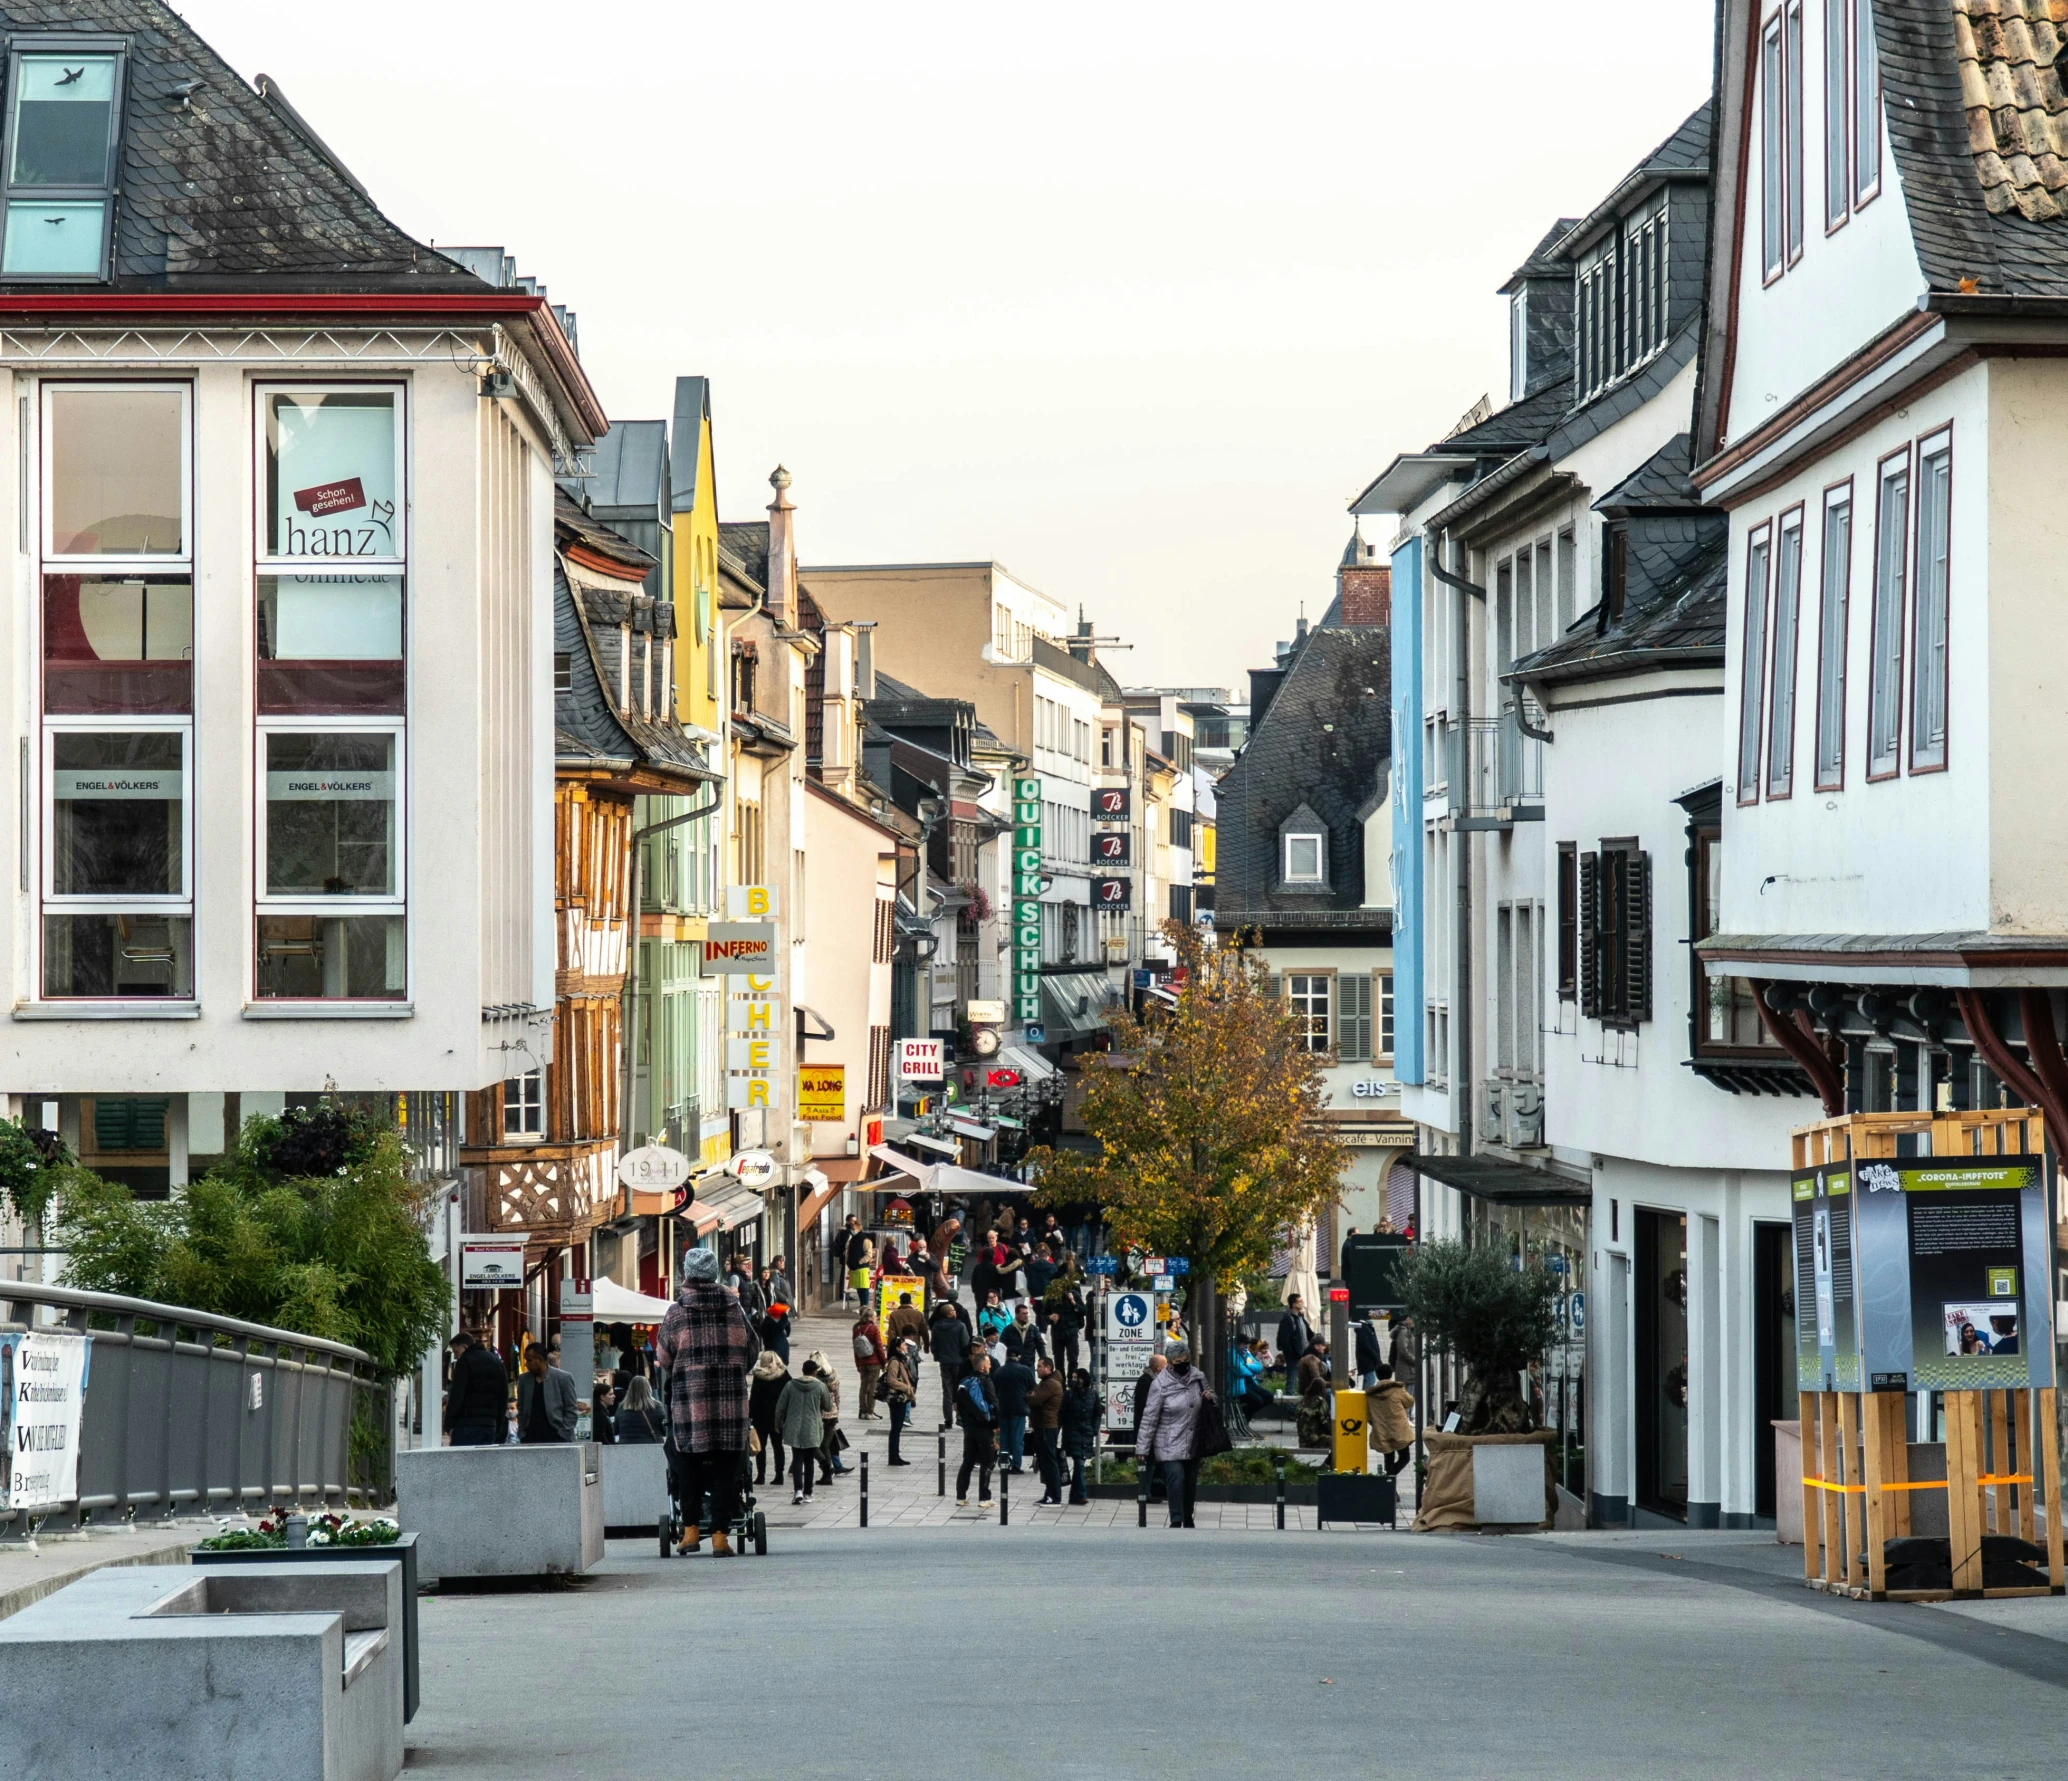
{"points": [[2015, 106], [222, 185], [1683, 155], [630, 469], [692, 409]]}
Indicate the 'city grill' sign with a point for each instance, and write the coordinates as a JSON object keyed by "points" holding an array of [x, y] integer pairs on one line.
{"points": [[1026, 900]]}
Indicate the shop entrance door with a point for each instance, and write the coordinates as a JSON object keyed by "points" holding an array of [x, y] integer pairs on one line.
{"points": [[1773, 1352], [1660, 1288]]}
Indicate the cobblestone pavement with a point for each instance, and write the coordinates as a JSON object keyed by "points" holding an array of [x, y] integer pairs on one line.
{"points": [[909, 1496]]}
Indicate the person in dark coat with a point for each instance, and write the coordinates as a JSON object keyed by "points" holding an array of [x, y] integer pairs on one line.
{"points": [[948, 1341], [1015, 1383], [477, 1402], [773, 1326], [764, 1391], [704, 1351], [1045, 1419], [546, 1400], [1080, 1429], [639, 1417], [1367, 1356], [976, 1408], [1294, 1331], [1022, 1336]]}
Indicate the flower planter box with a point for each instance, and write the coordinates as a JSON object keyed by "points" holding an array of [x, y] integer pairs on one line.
{"points": [[403, 1548], [1347, 1496]]}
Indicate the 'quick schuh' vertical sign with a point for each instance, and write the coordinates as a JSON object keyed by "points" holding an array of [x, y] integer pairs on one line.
{"points": [[1026, 901]]}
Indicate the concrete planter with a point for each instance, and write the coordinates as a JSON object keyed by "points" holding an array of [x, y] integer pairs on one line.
{"points": [[402, 1550], [502, 1511], [1788, 1483], [260, 1669], [1347, 1496]]}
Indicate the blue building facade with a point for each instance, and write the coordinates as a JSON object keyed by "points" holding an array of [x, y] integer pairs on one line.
{"points": [[1407, 811]]}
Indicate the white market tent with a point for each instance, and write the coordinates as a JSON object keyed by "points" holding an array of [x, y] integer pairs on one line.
{"points": [[614, 1304]]}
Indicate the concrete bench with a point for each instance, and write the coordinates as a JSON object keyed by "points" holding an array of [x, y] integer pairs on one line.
{"points": [[635, 1486], [502, 1511], [231, 1675]]}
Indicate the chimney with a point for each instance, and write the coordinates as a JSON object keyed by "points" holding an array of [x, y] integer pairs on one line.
{"points": [[1366, 593], [782, 550], [1081, 643]]}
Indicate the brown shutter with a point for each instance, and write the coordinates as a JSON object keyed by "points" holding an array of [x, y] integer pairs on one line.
{"points": [[1637, 935], [1590, 935]]}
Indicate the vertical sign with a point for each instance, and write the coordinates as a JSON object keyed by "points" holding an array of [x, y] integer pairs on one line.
{"points": [[754, 1039], [1130, 1341], [1026, 901], [578, 1348]]}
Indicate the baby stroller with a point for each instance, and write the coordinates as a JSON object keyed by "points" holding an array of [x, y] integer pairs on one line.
{"points": [[748, 1529]]}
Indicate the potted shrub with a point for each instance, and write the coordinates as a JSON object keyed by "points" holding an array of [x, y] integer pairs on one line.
{"points": [[1496, 1318], [327, 1537]]}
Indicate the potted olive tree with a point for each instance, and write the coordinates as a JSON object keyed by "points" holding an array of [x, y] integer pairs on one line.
{"points": [[1497, 1318]]}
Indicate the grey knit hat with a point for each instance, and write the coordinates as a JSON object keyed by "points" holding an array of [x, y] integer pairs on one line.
{"points": [[700, 1267]]}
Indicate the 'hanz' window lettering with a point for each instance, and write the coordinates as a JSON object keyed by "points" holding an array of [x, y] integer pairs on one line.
{"points": [[333, 462]]}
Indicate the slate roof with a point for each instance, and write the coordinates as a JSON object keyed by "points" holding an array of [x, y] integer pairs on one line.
{"points": [[227, 185], [630, 467], [1324, 742], [1662, 480], [1683, 626], [590, 728], [743, 547]]}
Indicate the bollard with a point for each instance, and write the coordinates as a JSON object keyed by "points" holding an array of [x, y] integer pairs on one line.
{"points": [[1004, 1496], [865, 1489], [1141, 1491], [941, 1485], [1278, 1466]]}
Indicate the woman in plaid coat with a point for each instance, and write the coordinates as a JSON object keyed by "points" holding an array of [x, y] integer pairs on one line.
{"points": [[704, 1350]]}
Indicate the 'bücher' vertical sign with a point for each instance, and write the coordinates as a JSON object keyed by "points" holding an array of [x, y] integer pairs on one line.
{"points": [[1026, 901]]}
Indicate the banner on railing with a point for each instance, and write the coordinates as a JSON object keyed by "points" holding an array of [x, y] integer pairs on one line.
{"points": [[42, 1393]]}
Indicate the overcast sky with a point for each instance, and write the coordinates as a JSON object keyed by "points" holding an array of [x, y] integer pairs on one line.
{"points": [[1131, 297]]}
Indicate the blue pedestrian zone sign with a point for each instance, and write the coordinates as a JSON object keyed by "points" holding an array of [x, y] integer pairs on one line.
{"points": [[1103, 1264], [1131, 1310]]}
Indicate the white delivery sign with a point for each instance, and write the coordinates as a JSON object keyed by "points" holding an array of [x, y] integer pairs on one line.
{"points": [[43, 1380]]}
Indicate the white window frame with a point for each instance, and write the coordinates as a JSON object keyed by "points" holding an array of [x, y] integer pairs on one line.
{"points": [[398, 560], [1303, 1002], [1927, 754], [1773, 145], [1320, 873], [106, 563], [530, 1125], [265, 903], [1382, 1016]]}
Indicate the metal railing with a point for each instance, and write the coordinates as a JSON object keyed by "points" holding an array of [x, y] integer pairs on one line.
{"points": [[1494, 773], [190, 1413]]}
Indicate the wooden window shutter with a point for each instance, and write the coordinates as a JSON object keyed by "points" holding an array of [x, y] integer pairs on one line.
{"points": [[1274, 986], [1590, 935], [1353, 1018], [1637, 936]]}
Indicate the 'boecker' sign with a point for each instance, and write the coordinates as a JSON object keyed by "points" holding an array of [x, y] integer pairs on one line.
{"points": [[738, 945]]}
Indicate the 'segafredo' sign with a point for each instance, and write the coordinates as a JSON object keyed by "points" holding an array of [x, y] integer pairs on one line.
{"points": [[1026, 900], [43, 1386]]}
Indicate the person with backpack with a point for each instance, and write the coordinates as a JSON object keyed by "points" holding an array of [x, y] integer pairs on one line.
{"points": [[948, 1340], [976, 1409], [869, 1356]]}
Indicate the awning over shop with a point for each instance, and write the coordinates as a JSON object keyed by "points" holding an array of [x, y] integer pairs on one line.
{"points": [[1505, 1183], [1032, 1066], [927, 1141], [617, 1304], [820, 1190], [736, 1204], [970, 1128], [901, 1164], [972, 1182], [1075, 1004]]}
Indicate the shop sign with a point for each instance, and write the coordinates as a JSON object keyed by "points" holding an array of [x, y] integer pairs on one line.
{"points": [[1109, 847], [1026, 899], [1111, 893], [493, 1264], [752, 1168], [756, 1052], [918, 1060], [822, 1092], [745, 1093], [1110, 803], [750, 902], [652, 1168], [734, 945], [753, 1015], [42, 1397]]}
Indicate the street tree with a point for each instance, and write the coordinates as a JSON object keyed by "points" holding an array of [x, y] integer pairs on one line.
{"points": [[1208, 1118]]}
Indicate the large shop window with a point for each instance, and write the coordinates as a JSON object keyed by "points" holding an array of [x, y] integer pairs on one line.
{"points": [[63, 120], [330, 922], [117, 893], [332, 564], [117, 634]]}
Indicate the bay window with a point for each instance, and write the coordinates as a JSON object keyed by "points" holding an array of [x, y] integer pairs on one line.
{"points": [[116, 649]]}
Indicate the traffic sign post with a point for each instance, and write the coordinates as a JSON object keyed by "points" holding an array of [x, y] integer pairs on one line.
{"points": [[1129, 1327]]}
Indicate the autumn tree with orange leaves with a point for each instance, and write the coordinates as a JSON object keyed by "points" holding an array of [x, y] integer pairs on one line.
{"points": [[1208, 1115]]}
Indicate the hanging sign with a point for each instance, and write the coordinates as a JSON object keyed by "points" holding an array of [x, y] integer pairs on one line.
{"points": [[42, 1397], [918, 1060], [1026, 899], [1110, 893], [735, 945], [822, 1092], [750, 902], [495, 1264], [1110, 803], [1109, 847]]}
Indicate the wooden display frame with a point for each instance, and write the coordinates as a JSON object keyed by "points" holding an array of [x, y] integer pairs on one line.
{"points": [[1856, 1487]]}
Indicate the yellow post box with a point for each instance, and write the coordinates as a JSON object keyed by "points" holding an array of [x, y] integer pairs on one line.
{"points": [[1353, 1445]]}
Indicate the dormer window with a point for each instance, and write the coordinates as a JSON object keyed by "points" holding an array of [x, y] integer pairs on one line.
{"points": [[1303, 854], [63, 118], [1620, 316], [1303, 851]]}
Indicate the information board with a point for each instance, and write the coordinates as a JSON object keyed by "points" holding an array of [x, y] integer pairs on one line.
{"points": [[1130, 1341]]}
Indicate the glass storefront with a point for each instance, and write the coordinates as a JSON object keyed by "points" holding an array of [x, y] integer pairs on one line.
{"points": [[1553, 1237]]}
